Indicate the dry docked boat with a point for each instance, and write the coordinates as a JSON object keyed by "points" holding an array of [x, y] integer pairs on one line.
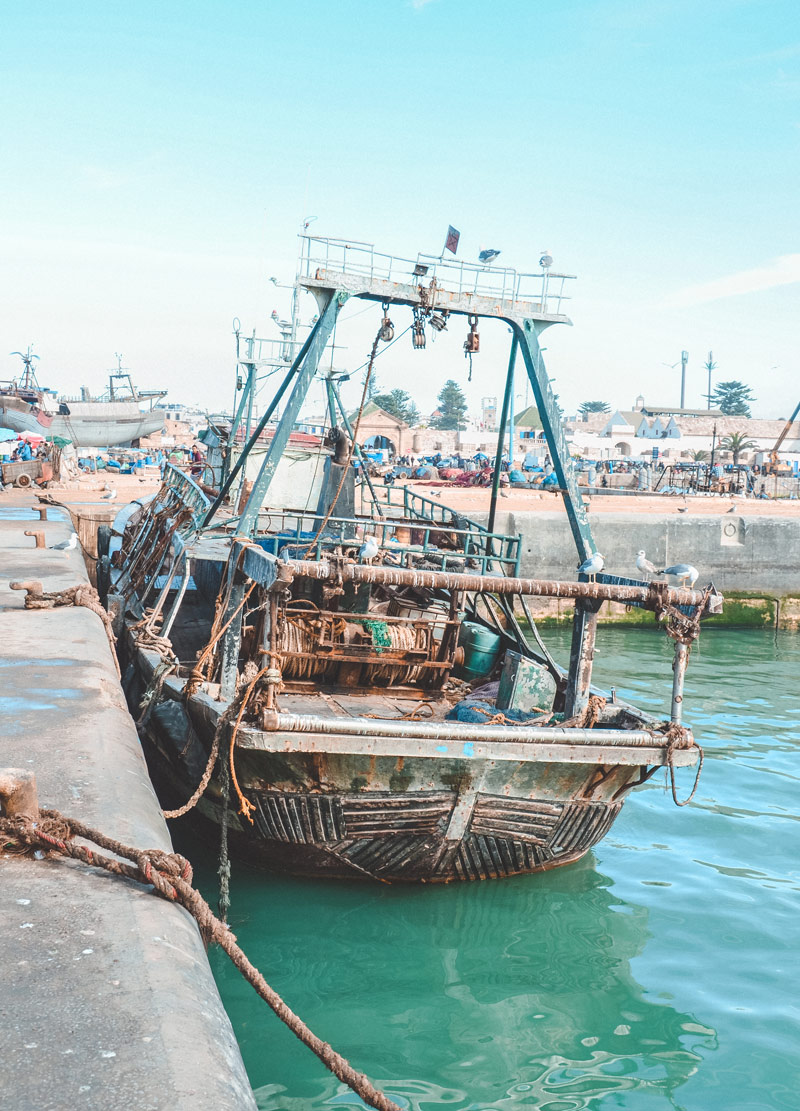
{"points": [[348, 689], [117, 417]]}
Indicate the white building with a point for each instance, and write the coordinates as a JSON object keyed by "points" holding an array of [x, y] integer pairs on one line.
{"points": [[674, 434]]}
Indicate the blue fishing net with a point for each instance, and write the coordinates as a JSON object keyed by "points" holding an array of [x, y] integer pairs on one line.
{"points": [[477, 712]]}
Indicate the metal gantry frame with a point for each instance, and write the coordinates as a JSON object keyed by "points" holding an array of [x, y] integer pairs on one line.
{"points": [[526, 319], [388, 282]]}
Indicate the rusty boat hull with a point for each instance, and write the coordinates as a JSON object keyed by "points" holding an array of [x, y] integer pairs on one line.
{"points": [[397, 809]]}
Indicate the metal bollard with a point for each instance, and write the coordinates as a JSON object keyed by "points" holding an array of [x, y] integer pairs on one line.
{"points": [[38, 535], [18, 795]]}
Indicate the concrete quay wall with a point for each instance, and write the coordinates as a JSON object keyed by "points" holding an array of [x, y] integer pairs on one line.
{"points": [[754, 561], [108, 1001]]}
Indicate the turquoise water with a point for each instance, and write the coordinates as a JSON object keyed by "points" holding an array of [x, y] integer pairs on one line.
{"points": [[659, 972]]}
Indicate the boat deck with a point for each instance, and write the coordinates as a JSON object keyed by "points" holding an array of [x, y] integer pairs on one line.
{"points": [[373, 705]]}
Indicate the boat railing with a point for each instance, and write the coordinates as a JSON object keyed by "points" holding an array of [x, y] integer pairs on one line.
{"points": [[174, 513], [261, 351], [409, 540], [180, 488], [545, 288], [505, 549]]}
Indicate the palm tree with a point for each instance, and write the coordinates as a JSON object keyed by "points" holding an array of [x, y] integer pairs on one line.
{"points": [[736, 443], [699, 456]]}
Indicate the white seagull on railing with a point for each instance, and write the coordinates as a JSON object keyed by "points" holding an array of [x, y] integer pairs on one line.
{"points": [[683, 572], [487, 256], [66, 545], [369, 549], [644, 565], [592, 566]]}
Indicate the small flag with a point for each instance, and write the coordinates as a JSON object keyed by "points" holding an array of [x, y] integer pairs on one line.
{"points": [[451, 243]]}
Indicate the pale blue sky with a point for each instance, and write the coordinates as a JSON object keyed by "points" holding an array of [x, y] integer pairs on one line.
{"points": [[158, 158]]}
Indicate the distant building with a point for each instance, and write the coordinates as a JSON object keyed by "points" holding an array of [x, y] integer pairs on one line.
{"points": [[312, 426], [671, 433], [488, 419]]}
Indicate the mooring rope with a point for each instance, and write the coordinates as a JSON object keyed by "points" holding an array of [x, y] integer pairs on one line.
{"points": [[171, 877], [81, 595]]}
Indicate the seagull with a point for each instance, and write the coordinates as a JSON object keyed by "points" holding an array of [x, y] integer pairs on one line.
{"points": [[683, 508], [487, 256], [644, 565], [732, 509], [592, 566], [66, 545], [369, 549], [683, 572], [546, 261], [110, 495]]}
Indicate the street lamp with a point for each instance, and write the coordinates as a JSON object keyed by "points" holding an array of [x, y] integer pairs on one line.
{"points": [[684, 359]]}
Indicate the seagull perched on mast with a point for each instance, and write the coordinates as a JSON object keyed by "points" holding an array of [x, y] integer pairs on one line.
{"points": [[487, 256], [592, 566], [644, 565], [66, 545]]}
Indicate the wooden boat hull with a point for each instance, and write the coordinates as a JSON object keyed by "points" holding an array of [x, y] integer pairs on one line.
{"points": [[89, 424]]}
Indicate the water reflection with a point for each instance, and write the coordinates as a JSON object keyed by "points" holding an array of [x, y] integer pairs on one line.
{"points": [[497, 994]]}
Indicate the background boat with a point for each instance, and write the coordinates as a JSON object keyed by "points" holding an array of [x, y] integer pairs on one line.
{"points": [[116, 417]]}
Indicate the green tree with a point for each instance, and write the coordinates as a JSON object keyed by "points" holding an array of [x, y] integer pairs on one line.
{"points": [[398, 403], [733, 398], [699, 456], [594, 407], [452, 407], [736, 443]]}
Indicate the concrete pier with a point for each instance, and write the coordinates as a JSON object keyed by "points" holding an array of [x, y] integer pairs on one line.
{"points": [[108, 1001], [739, 551]]}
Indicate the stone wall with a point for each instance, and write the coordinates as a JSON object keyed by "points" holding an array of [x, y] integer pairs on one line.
{"points": [[755, 560]]}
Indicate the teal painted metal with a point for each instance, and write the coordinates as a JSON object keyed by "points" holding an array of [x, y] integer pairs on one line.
{"points": [[528, 337], [481, 649], [508, 403], [331, 396], [246, 400], [525, 685], [334, 402], [495, 550], [259, 428], [188, 493], [318, 341]]}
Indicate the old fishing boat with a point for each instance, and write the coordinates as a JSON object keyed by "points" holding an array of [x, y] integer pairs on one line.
{"points": [[337, 675], [119, 416]]}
